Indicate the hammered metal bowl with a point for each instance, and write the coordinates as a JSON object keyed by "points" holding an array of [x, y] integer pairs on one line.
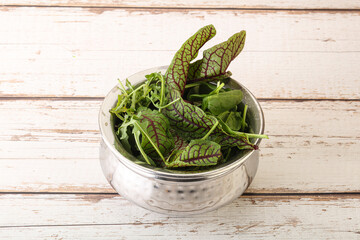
{"points": [[173, 192]]}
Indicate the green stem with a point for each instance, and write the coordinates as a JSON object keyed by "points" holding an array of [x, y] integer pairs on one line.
{"points": [[116, 110], [190, 85], [152, 101], [142, 151], [243, 123], [227, 155], [128, 84], [152, 143], [122, 88], [252, 135], [217, 89], [161, 107], [162, 93], [211, 130], [119, 116], [133, 101], [127, 98]]}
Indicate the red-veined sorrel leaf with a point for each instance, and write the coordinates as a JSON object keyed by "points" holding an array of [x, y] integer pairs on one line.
{"points": [[179, 141], [192, 122], [197, 153], [189, 119], [177, 72], [216, 60], [157, 128], [229, 140]]}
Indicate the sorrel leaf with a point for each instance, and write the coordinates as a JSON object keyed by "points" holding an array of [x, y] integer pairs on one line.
{"points": [[177, 72], [216, 60], [136, 132], [197, 153], [227, 140], [179, 141], [157, 128], [188, 119], [191, 122]]}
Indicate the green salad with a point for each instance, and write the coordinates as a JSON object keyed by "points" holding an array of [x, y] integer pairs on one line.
{"points": [[187, 118]]}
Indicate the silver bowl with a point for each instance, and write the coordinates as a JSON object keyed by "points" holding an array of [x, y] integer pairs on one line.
{"points": [[173, 192]]}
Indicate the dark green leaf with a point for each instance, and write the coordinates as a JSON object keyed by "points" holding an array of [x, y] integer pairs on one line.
{"points": [[222, 102], [232, 119]]}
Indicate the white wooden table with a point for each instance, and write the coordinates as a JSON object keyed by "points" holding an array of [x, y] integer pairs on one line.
{"points": [[59, 58]]}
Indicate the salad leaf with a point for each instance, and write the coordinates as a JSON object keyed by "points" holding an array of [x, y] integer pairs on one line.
{"points": [[151, 133], [190, 120], [197, 153], [222, 102], [216, 60], [157, 128], [232, 119], [177, 72], [179, 142], [240, 140]]}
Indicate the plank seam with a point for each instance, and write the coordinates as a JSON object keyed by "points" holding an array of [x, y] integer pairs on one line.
{"points": [[345, 10], [78, 225]]}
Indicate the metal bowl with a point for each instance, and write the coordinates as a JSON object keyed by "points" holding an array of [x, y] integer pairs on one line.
{"points": [[173, 192]]}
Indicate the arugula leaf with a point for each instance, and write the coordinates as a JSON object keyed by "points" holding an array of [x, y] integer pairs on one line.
{"points": [[177, 72], [122, 132], [216, 60], [197, 153]]}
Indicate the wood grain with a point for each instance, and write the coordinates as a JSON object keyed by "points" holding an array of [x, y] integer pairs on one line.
{"points": [[305, 54], [255, 4], [52, 146], [59, 58], [112, 217]]}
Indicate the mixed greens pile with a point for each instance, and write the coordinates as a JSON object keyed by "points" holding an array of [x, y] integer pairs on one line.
{"points": [[186, 118]]}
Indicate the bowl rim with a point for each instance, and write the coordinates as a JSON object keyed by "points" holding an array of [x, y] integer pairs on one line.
{"points": [[161, 174]]}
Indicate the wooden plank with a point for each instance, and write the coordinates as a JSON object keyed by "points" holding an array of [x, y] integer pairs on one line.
{"points": [[255, 4], [305, 54], [112, 217], [52, 146]]}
